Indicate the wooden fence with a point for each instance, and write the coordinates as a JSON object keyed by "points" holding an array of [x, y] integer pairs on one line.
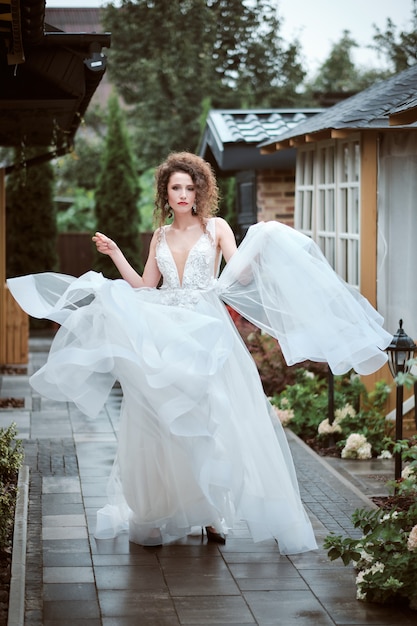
{"points": [[76, 252]]}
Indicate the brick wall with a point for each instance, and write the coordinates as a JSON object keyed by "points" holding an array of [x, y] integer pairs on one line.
{"points": [[275, 196]]}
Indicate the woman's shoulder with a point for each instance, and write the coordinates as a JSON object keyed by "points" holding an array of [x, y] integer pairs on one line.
{"points": [[157, 235], [219, 222], [221, 225]]}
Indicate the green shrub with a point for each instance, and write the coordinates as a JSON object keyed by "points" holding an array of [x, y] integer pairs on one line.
{"points": [[11, 458], [385, 557], [357, 411]]}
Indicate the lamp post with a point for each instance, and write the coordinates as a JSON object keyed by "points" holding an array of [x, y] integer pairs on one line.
{"points": [[400, 351], [330, 403]]}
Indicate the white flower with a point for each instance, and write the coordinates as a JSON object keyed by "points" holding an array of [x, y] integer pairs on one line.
{"points": [[389, 516], [409, 471], [365, 556], [327, 429], [355, 441], [284, 402], [308, 374], [284, 415], [345, 411], [412, 539], [360, 595], [356, 447], [377, 567], [364, 451], [385, 454]]}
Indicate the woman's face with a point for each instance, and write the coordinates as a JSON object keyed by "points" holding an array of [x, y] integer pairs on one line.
{"points": [[181, 192]]}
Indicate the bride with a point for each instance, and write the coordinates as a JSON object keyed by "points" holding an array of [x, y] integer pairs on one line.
{"points": [[197, 445]]}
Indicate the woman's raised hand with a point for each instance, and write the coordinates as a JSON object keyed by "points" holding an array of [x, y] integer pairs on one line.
{"points": [[104, 244]]}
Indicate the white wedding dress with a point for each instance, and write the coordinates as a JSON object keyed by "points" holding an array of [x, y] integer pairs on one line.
{"points": [[196, 443]]}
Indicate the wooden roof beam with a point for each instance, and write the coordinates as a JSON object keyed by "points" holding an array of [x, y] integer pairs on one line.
{"points": [[319, 136], [295, 142], [403, 117], [342, 133], [274, 147]]}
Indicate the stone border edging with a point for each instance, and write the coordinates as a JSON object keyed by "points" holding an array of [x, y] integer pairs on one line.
{"points": [[16, 615]]}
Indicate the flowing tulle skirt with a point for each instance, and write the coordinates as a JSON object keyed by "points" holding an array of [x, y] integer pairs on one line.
{"points": [[196, 442]]}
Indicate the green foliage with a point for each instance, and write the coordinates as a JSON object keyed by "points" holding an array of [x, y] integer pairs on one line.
{"points": [[227, 207], [117, 192], [399, 48], [338, 73], [80, 216], [31, 225], [146, 202], [385, 556], [168, 60], [308, 400], [11, 457], [369, 420], [81, 167], [406, 486], [356, 410]]}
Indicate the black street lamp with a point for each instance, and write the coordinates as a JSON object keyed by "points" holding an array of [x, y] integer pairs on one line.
{"points": [[400, 351]]}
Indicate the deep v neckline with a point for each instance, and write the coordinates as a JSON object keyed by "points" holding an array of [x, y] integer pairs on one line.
{"points": [[171, 254]]}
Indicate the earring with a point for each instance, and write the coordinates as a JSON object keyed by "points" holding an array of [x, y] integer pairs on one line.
{"points": [[168, 210], [194, 210]]}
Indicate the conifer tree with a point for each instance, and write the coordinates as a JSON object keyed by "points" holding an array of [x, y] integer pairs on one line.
{"points": [[31, 232], [117, 193]]}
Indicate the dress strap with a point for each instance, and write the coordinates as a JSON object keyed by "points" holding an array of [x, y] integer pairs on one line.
{"points": [[211, 227]]}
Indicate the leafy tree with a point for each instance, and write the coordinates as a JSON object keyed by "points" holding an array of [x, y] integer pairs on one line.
{"points": [[31, 233], [117, 192], [146, 203], [80, 216], [338, 72], [80, 168], [400, 49], [169, 59], [338, 75]]}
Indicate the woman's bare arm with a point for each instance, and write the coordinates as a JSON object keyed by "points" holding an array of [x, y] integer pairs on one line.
{"points": [[151, 273], [225, 238]]}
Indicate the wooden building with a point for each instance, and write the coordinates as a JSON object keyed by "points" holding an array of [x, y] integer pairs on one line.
{"points": [[48, 78]]}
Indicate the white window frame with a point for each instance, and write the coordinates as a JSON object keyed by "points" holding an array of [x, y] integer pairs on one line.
{"points": [[327, 204]]}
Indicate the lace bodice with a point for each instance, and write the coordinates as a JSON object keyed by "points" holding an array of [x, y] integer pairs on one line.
{"points": [[199, 269]]}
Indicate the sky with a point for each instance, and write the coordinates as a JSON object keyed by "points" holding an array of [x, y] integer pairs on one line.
{"points": [[319, 24]]}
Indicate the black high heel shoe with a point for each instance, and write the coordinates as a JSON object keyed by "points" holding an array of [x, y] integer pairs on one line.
{"points": [[215, 537]]}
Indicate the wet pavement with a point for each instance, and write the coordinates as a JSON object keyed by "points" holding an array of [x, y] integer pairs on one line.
{"points": [[69, 577]]}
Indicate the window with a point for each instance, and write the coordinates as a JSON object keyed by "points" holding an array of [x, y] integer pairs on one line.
{"points": [[327, 202], [305, 191]]}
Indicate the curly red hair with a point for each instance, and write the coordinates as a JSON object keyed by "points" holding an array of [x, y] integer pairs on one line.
{"points": [[202, 175]]}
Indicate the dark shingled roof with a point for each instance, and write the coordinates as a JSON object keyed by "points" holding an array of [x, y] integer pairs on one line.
{"points": [[231, 137], [368, 109]]}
